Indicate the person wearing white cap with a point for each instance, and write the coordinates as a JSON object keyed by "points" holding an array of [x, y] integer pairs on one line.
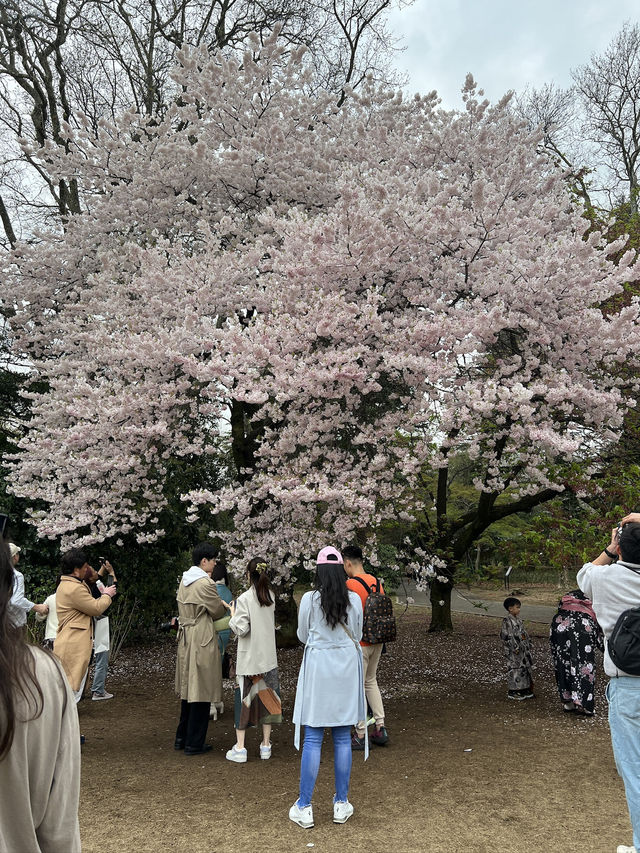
{"points": [[330, 689], [20, 605]]}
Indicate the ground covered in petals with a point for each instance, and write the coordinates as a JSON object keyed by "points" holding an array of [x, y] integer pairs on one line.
{"points": [[464, 770]]}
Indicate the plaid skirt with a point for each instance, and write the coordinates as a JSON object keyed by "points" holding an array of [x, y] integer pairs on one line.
{"points": [[257, 700]]}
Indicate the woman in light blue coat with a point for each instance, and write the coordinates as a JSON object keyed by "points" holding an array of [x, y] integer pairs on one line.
{"points": [[330, 688]]}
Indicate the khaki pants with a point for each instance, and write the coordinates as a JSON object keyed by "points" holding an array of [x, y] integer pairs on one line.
{"points": [[370, 661]]}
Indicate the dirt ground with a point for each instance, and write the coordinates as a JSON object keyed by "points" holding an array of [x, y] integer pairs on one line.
{"points": [[465, 770]]}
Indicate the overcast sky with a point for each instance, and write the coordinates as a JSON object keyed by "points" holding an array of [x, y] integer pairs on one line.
{"points": [[505, 45]]}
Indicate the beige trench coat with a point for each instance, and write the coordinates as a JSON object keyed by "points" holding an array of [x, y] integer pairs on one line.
{"points": [[198, 663], [40, 776], [76, 608]]}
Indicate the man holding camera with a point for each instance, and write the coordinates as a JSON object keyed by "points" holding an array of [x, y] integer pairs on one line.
{"points": [[612, 582], [101, 638]]}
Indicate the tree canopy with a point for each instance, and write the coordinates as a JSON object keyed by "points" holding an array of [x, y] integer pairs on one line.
{"points": [[347, 294]]}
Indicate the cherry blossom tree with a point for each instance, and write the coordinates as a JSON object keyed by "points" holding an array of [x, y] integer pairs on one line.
{"points": [[352, 296], [71, 61]]}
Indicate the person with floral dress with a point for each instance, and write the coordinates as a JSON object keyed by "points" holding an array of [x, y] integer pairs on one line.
{"points": [[574, 636]]}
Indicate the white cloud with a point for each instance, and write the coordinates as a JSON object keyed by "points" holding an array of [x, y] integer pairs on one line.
{"points": [[503, 44]]}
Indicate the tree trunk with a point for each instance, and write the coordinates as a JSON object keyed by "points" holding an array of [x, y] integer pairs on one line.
{"points": [[440, 607], [287, 619]]}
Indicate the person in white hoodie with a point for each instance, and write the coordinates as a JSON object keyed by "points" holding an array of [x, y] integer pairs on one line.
{"points": [[198, 663], [20, 605], [612, 582], [51, 626]]}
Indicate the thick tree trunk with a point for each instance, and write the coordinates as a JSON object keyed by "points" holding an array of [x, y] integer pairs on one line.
{"points": [[287, 619], [440, 606]]}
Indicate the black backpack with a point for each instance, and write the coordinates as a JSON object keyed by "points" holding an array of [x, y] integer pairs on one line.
{"points": [[378, 621], [624, 642]]}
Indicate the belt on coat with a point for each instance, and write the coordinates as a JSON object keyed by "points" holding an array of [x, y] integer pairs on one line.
{"points": [[186, 623]]}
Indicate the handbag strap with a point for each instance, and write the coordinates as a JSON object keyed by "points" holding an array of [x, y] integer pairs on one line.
{"points": [[635, 567], [350, 635]]}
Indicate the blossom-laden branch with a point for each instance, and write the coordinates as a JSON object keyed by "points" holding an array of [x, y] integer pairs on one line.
{"points": [[368, 289]]}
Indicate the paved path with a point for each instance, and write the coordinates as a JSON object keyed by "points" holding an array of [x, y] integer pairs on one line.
{"points": [[467, 602]]}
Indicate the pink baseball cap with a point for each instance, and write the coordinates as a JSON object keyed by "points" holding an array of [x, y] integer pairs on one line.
{"points": [[329, 555]]}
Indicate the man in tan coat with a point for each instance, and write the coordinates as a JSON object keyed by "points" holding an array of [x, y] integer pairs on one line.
{"points": [[76, 608], [198, 663]]}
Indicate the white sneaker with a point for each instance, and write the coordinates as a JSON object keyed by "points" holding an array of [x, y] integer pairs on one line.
{"points": [[265, 752], [96, 697], [622, 848], [342, 812], [237, 755], [302, 816]]}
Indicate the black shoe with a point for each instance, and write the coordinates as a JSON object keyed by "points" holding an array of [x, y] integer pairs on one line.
{"points": [[191, 751], [179, 744]]}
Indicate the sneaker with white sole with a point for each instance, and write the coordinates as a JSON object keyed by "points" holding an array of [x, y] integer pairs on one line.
{"points": [[96, 697], [302, 816], [237, 755], [265, 751], [342, 811], [622, 848]]}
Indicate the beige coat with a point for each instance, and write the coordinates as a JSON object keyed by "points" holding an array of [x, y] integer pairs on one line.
{"points": [[255, 628], [76, 608], [40, 776], [198, 663]]}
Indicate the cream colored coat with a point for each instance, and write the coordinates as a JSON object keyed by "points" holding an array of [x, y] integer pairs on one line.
{"points": [[40, 776], [198, 662], [76, 608], [255, 629]]}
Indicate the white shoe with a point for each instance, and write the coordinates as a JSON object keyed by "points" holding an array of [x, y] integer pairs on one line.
{"points": [[302, 816], [265, 752], [96, 697], [219, 708], [342, 812], [237, 755], [622, 848]]}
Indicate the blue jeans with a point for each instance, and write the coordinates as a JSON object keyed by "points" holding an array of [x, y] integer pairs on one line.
{"points": [[310, 763], [623, 694], [100, 672]]}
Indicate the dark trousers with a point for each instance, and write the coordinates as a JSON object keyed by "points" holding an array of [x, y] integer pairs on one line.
{"points": [[194, 721]]}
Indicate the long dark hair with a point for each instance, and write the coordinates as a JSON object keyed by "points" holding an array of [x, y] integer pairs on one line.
{"points": [[331, 583], [17, 664], [259, 578]]}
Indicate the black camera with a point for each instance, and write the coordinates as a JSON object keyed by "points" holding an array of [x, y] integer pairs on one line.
{"points": [[172, 625]]}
